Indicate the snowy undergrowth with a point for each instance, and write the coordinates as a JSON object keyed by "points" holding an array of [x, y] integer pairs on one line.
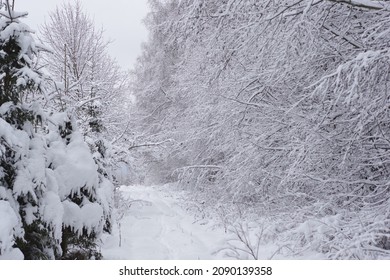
{"points": [[255, 234], [299, 235], [167, 222]]}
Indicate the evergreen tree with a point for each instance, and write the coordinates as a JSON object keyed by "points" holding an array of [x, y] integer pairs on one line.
{"points": [[53, 203], [17, 78]]}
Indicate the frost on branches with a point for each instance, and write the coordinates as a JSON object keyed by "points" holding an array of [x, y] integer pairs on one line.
{"points": [[279, 109], [53, 202], [89, 82]]}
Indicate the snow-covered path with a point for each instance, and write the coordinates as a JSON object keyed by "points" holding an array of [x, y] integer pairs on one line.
{"points": [[156, 227]]}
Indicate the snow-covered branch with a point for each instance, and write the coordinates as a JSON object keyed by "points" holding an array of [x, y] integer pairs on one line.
{"points": [[150, 144], [367, 4]]}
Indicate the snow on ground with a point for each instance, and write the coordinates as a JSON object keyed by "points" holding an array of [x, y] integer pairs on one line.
{"points": [[156, 227]]}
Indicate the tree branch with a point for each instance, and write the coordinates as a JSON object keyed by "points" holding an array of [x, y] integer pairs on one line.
{"points": [[150, 144], [123, 133], [367, 4], [345, 38]]}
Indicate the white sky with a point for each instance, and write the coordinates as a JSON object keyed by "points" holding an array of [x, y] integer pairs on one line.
{"points": [[121, 20]]}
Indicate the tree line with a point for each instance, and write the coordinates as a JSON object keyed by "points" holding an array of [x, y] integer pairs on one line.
{"points": [[279, 109]]}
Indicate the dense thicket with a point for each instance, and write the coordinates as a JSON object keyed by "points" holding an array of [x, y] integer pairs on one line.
{"points": [[280, 107]]}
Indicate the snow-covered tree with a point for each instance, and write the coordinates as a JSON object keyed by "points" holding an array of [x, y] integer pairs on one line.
{"points": [[53, 202], [78, 59], [279, 107], [89, 81]]}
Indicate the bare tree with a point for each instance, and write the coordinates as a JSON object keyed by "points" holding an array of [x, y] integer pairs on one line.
{"points": [[90, 79]]}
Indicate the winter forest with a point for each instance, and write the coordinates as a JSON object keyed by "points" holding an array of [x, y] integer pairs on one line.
{"points": [[247, 129]]}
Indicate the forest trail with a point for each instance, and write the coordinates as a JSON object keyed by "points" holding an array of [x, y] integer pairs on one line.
{"points": [[155, 226]]}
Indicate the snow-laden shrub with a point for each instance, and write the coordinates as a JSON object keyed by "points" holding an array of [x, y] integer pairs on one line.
{"points": [[51, 182]]}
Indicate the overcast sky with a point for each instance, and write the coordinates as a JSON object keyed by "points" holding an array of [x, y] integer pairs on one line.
{"points": [[121, 20]]}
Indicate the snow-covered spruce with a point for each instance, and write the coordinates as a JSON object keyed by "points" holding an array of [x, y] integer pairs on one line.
{"points": [[54, 203]]}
